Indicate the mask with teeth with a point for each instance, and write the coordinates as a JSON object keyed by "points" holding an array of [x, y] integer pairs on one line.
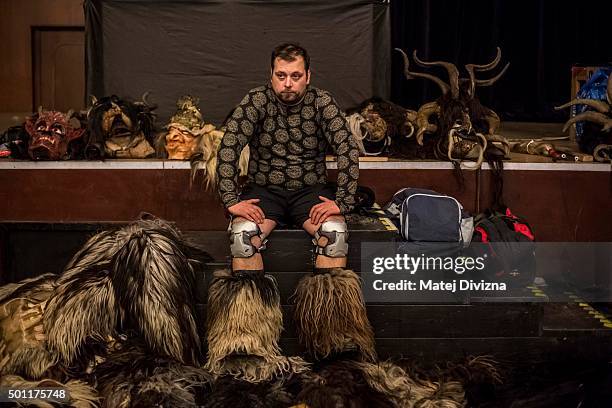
{"points": [[119, 128], [53, 135]]}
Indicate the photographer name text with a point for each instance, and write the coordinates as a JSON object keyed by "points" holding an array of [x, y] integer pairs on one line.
{"points": [[438, 286]]}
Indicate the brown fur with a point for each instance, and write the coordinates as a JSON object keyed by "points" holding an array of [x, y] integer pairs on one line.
{"points": [[338, 384], [22, 345], [244, 326], [154, 281], [234, 393], [135, 377], [406, 391], [141, 275], [82, 307], [205, 159], [331, 316]]}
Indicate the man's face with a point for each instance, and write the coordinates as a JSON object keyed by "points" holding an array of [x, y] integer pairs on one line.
{"points": [[290, 79]]}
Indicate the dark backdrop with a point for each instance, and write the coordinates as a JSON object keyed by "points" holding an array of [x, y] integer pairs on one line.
{"points": [[218, 50], [541, 39]]}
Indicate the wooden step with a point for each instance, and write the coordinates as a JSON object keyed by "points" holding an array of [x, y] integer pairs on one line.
{"points": [[441, 321], [508, 350]]}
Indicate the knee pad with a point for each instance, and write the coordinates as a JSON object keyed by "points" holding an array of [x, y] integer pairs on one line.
{"points": [[241, 233], [336, 233]]}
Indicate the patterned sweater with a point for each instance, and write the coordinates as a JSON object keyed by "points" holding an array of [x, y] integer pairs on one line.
{"points": [[288, 145]]}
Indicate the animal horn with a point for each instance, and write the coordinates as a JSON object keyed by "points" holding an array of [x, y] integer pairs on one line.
{"points": [[453, 73], [410, 75], [471, 68]]}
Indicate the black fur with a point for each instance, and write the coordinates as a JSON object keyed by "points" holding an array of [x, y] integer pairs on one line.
{"points": [[140, 114]]}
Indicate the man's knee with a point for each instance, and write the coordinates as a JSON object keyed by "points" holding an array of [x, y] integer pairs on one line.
{"points": [[331, 239], [245, 238]]}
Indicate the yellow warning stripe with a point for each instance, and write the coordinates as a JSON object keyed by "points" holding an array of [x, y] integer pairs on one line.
{"points": [[590, 310], [537, 291], [388, 224]]}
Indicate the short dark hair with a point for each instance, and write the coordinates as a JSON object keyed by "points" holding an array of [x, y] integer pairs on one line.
{"points": [[289, 52]]}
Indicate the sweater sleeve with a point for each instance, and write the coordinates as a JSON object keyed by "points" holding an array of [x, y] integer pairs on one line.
{"points": [[240, 127], [337, 133]]}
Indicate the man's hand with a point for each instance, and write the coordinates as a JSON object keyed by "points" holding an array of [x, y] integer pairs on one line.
{"points": [[322, 211], [249, 210]]}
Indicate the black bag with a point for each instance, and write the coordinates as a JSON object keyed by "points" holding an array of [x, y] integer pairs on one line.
{"points": [[428, 216], [508, 243]]}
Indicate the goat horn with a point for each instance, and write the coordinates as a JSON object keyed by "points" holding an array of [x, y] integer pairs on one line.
{"points": [[145, 96], [599, 106], [491, 81], [590, 116], [490, 65], [410, 75], [453, 73], [470, 68], [422, 120]]}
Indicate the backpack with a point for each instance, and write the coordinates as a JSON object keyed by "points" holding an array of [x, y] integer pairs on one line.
{"points": [[508, 243], [427, 216]]}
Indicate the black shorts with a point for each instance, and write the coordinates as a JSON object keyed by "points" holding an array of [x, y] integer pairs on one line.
{"points": [[287, 207]]}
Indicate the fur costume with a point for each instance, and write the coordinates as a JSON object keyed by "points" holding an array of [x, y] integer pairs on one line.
{"points": [[331, 316], [119, 128], [205, 159], [142, 276], [134, 376], [138, 279], [23, 350], [381, 127], [346, 383], [244, 323], [341, 384], [231, 392]]}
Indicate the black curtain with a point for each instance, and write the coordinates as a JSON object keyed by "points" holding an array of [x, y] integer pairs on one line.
{"points": [[541, 39]]}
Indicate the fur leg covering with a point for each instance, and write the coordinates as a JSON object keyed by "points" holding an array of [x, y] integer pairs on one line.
{"points": [[244, 325], [331, 316], [81, 394], [134, 377], [154, 283], [22, 337]]}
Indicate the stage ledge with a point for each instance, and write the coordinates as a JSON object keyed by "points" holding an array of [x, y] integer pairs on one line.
{"points": [[366, 164]]}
